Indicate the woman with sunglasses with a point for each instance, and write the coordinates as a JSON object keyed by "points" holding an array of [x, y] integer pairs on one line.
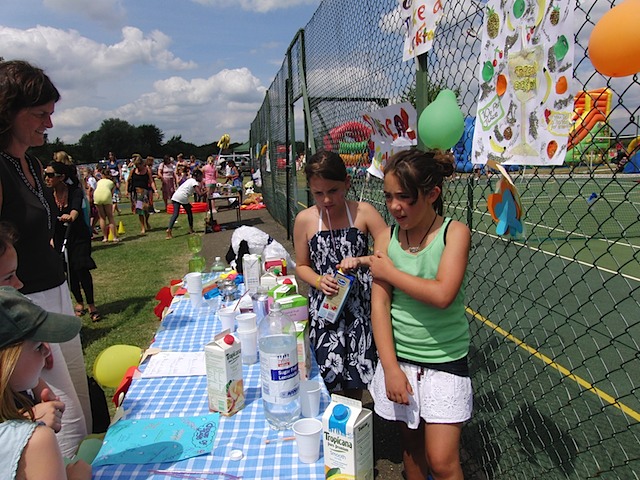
{"points": [[27, 101], [73, 235]]}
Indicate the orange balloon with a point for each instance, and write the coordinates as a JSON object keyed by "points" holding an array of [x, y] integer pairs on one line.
{"points": [[614, 45]]}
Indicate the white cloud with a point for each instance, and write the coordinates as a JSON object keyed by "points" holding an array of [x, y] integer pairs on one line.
{"points": [[70, 58], [200, 109], [261, 6], [107, 12]]}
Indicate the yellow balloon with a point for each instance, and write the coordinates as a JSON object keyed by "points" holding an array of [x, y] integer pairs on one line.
{"points": [[614, 45], [113, 362]]}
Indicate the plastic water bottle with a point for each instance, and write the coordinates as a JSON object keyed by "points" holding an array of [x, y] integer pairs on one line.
{"points": [[279, 369], [260, 301], [218, 265]]}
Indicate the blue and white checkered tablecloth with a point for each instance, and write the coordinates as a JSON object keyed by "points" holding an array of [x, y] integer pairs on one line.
{"points": [[187, 329]]}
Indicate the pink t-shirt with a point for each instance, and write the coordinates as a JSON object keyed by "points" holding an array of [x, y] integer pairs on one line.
{"points": [[210, 174]]}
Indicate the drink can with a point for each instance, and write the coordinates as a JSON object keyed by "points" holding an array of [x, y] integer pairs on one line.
{"points": [[260, 301]]}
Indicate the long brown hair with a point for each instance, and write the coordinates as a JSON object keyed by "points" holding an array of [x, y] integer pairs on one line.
{"points": [[418, 172], [327, 165]]}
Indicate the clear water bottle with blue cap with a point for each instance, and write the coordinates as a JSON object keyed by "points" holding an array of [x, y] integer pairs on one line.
{"points": [[279, 376]]}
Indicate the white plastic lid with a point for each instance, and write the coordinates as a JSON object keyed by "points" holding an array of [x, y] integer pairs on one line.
{"points": [[236, 455]]}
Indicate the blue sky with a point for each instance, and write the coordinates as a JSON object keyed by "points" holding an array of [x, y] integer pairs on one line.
{"points": [[196, 68]]}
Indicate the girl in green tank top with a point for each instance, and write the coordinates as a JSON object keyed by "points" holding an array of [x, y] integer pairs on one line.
{"points": [[418, 316]]}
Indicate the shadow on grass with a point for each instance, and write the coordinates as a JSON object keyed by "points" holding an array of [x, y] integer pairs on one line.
{"points": [[115, 315]]}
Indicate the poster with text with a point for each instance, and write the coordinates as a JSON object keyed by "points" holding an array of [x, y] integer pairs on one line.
{"points": [[419, 20], [525, 103], [393, 129]]}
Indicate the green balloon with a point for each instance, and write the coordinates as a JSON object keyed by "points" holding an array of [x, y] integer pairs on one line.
{"points": [[441, 124]]}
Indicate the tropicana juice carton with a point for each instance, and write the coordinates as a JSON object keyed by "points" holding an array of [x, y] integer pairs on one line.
{"points": [[348, 440], [296, 307], [223, 362]]}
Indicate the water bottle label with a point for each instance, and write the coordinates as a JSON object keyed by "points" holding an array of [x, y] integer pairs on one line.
{"points": [[280, 381]]}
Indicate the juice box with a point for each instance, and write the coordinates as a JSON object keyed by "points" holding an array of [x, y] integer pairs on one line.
{"points": [[296, 307], [347, 434], [223, 362], [252, 271], [331, 307]]}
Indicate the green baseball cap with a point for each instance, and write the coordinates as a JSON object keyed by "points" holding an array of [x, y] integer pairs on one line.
{"points": [[21, 319]]}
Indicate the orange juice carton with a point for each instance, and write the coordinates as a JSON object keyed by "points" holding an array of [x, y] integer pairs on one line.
{"points": [[296, 307], [347, 434], [331, 306], [223, 362]]}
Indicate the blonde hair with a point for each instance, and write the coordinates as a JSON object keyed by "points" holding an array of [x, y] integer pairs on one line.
{"points": [[13, 405], [137, 159], [210, 159], [63, 157]]}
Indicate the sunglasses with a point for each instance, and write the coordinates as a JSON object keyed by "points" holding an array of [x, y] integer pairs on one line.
{"points": [[52, 174]]}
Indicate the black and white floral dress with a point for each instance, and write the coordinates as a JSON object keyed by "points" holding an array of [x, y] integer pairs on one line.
{"points": [[344, 347]]}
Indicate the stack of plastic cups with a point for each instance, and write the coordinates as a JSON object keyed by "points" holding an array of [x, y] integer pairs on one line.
{"points": [[247, 333], [194, 287]]}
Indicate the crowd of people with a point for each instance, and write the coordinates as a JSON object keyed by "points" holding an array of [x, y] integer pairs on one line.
{"points": [[402, 333]]}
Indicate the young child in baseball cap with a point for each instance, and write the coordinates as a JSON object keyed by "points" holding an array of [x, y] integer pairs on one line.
{"points": [[28, 449]]}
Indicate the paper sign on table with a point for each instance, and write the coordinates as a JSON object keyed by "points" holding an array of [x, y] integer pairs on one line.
{"points": [[175, 364], [157, 440]]}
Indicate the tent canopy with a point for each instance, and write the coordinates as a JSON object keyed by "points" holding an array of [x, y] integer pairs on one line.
{"points": [[244, 148]]}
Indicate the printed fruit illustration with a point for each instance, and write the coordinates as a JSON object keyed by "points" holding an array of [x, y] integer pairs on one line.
{"points": [[552, 147], [554, 18], [493, 23], [518, 8], [561, 85], [501, 85], [508, 133], [487, 71], [561, 47]]}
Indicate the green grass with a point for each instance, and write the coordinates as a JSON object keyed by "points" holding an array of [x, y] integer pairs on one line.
{"points": [[128, 276]]}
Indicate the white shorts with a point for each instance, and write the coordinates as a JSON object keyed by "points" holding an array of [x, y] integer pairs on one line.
{"points": [[438, 397]]}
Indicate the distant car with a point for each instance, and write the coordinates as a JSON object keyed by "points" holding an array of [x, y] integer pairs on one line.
{"points": [[156, 164], [242, 161]]}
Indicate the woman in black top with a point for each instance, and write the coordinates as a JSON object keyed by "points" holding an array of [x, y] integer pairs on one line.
{"points": [[138, 186], [71, 225], [27, 101]]}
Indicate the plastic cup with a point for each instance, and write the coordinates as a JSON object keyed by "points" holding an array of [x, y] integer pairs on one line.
{"points": [[194, 287], [227, 316], [246, 321], [310, 398], [193, 281], [248, 345], [308, 432]]}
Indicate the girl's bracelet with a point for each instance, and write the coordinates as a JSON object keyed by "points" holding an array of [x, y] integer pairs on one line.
{"points": [[318, 280]]}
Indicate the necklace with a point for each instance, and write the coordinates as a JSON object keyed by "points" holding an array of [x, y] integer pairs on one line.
{"points": [[416, 249], [62, 198]]}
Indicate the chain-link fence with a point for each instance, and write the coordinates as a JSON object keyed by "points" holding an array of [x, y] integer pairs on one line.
{"points": [[555, 317]]}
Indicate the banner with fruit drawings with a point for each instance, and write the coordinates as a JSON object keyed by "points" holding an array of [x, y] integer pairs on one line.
{"points": [[525, 104]]}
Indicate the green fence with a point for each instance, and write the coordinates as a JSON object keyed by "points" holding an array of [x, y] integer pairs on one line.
{"points": [[555, 317]]}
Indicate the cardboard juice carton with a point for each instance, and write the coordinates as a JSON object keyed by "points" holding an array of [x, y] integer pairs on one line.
{"points": [[223, 362], [296, 307], [347, 434], [331, 307], [280, 290]]}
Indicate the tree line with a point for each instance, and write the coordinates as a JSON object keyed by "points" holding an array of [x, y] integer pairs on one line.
{"points": [[123, 139]]}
